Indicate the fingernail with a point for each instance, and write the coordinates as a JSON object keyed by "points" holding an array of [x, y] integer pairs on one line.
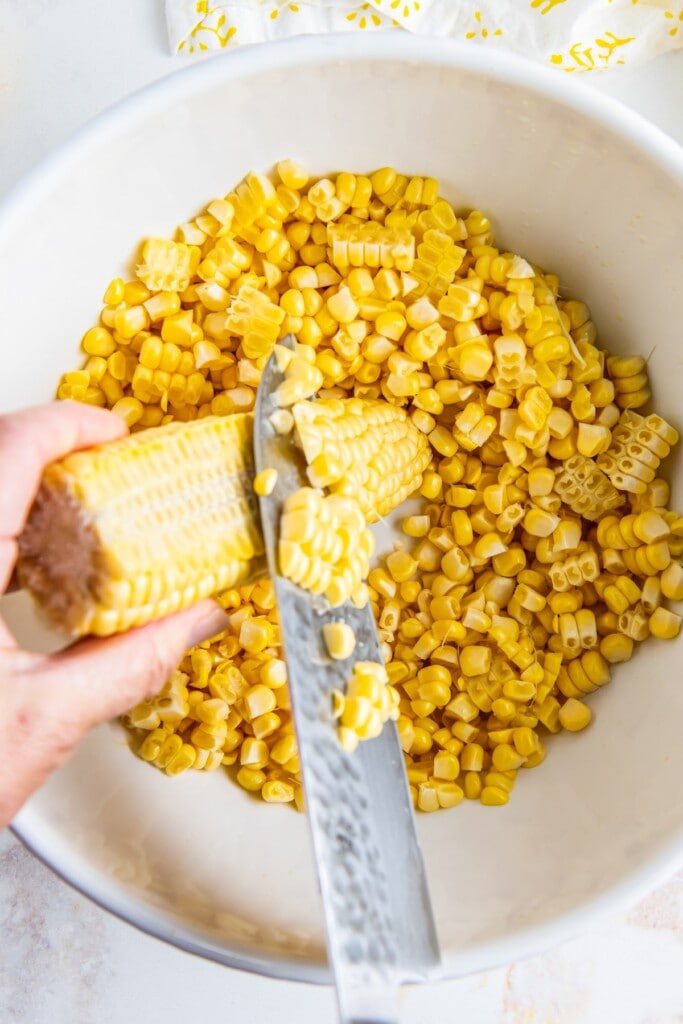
{"points": [[212, 622]]}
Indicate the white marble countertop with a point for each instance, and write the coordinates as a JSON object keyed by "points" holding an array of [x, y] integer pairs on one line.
{"points": [[65, 961]]}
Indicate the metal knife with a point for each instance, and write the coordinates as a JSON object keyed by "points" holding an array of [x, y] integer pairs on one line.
{"points": [[378, 917]]}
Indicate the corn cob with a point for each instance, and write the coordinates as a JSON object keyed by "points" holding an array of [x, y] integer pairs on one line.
{"points": [[133, 530], [362, 449], [130, 531]]}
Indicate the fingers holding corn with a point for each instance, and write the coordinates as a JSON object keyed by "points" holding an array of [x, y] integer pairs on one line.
{"points": [[50, 702]]}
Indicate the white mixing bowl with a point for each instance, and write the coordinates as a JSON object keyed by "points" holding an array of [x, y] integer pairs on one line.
{"points": [[571, 179]]}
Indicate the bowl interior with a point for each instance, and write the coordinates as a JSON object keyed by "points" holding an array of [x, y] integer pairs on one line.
{"points": [[195, 859]]}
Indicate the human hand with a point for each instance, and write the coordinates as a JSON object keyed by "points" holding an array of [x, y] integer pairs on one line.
{"points": [[48, 703]]}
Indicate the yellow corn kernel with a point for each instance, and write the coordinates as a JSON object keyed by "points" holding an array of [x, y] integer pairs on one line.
{"points": [[525, 741], [427, 798], [446, 766], [509, 563], [494, 796], [519, 690], [98, 341], [574, 715], [539, 523], [463, 708], [163, 304], [129, 322], [473, 785], [503, 709], [259, 700], [541, 481], [355, 713], [586, 627], [472, 757], [651, 594], [170, 749], [461, 527], [401, 566], [254, 753], [432, 484], [449, 794], [454, 564], [634, 624], [266, 725], [134, 293], [592, 438], [615, 647], [475, 660], [650, 527], [391, 324], [530, 598], [416, 526], [342, 306], [150, 747], [251, 779], [658, 555], [277, 791], [292, 174], [672, 582], [265, 481], [184, 759], [629, 588], [567, 535], [595, 667], [340, 640], [548, 713], [383, 180], [434, 694], [506, 757], [473, 360], [129, 409], [452, 469], [664, 624], [560, 423], [113, 296], [489, 545], [212, 711], [625, 366]]}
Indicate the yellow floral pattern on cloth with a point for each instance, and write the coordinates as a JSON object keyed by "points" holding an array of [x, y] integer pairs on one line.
{"points": [[571, 35]]}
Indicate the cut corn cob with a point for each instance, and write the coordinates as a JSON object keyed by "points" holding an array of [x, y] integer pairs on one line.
{"points": [[363, 449], [130, 531], [133, 530]]}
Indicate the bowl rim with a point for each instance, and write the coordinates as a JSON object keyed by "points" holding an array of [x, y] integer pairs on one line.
{"points": [[382, 46]]}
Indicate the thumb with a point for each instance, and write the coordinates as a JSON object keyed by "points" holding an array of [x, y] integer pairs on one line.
{"points": [[103, 678], [52, 702]]}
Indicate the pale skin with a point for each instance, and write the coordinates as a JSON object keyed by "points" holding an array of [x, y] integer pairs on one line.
{"points": [[49, 703]]}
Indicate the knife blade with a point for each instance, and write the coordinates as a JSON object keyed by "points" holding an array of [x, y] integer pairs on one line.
{"points": [[378, 919]]}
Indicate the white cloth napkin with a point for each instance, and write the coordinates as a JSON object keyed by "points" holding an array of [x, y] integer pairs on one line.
{"points": [[573, 35]]}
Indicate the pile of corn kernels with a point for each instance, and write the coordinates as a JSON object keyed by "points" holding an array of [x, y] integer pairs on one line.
{"points": [[544, 549]]}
